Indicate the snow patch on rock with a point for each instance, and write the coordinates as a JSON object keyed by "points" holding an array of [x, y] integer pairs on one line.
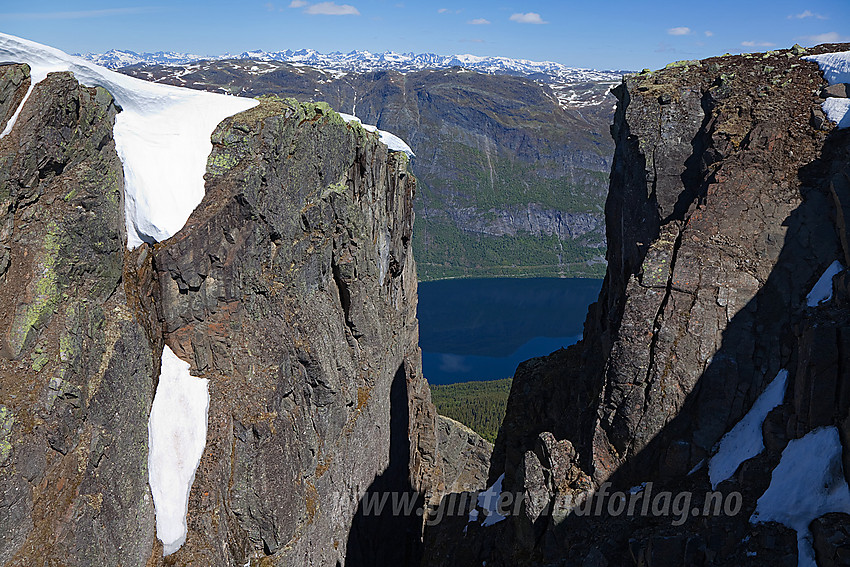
{"points": [[745, 440], [489, 502], [835, 66], [822, 290], [393, 142], [177, 434], [836, 70], [807, 483], [162, 136], [837, 110]]}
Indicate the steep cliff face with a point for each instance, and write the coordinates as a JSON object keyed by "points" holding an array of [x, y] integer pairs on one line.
{"points": [[292, 289], [77, 362], [725, 208]]}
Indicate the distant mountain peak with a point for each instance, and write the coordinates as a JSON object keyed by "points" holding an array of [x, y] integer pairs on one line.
{"points": [[365, 61]]}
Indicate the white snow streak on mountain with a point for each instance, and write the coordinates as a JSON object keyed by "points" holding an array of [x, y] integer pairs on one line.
{"points": [[177, 435], [822, 290], [162, 136], [745, 440], [807, 483], [393, 142]]}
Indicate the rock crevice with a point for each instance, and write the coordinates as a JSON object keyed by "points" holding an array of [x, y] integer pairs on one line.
{"points": [[724, 209]]}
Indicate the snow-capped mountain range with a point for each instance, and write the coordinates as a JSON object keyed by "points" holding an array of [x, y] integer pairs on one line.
{"points": [[364, 61]]}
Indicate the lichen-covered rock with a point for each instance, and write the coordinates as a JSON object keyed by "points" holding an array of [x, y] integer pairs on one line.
{"points": [[77, 368], [292, 288]]}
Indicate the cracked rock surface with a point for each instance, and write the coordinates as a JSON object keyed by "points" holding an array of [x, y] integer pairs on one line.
{"points": [[292, 288], [726, 204], [77, 363]]}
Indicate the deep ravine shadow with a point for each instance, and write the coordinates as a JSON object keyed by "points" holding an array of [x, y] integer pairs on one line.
{"points": [[382, 533]]}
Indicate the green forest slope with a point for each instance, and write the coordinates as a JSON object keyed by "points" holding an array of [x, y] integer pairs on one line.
{"points": [[478, 405]]}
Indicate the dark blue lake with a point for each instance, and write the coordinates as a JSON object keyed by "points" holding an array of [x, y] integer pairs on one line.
{"points": [[481, 329]]}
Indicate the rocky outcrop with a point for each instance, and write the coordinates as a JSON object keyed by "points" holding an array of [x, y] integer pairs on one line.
{"points": [[464, 456], [292, 289], [512, 181], [725, 207]]}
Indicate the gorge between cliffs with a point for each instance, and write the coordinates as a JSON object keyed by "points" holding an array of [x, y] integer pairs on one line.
{"points": [[713, 363]]}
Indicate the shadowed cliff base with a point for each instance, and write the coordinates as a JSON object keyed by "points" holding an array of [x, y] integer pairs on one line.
{"points": [[772, 331], [387, 530]]}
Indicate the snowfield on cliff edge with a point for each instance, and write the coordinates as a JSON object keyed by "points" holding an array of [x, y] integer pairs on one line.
{"points": [[162, 136], [836, 70]]}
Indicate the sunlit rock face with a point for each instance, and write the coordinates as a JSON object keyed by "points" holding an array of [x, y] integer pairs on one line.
{"points": [[289, 295], [292, 289]]}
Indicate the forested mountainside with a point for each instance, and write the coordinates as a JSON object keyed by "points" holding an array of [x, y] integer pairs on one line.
{"points": [[479, 405], [512, 172]]}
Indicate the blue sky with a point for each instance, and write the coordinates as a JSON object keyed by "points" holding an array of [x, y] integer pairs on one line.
{"points": [[613, 34]]}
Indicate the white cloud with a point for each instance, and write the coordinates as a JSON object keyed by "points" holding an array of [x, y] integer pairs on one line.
{"points": [[447, 11], [331, 9], [298, 3], [679, 31], [806, 14], [442, 10], [757, 44], [529, 18], [708, 33], [479, 22], [829, 37]]}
